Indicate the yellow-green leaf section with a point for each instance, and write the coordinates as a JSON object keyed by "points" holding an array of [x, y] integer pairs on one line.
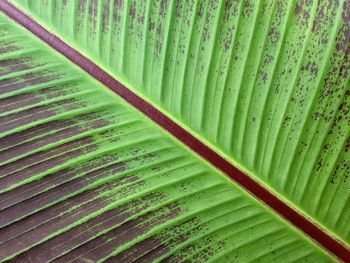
{"points": [[86, 178], [265, 82]]}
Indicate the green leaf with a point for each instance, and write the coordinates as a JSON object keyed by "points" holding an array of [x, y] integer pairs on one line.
{"points": [[266, 83], [84, 176]]}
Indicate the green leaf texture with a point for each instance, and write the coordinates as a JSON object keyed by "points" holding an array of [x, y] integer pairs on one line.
{"points": [[265, 82], [84, 177]]}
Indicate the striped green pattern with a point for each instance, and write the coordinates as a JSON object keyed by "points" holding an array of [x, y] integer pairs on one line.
{"points": [[84, 177], [265, 82]]}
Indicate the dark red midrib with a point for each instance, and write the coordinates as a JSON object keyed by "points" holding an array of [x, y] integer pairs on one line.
{"points": [[337, 248]]}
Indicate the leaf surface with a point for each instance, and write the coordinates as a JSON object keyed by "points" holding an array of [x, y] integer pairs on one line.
{"points": [[84, 176]]}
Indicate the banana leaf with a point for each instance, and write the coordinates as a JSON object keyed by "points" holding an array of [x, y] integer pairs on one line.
{"points": [[86, 177]]}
